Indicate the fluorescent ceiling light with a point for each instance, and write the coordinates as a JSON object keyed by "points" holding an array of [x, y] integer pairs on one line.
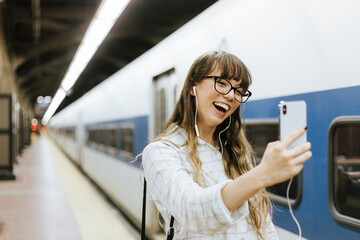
{"points": [[111, 9], [100, 26], [58, 98], [104, 20]]}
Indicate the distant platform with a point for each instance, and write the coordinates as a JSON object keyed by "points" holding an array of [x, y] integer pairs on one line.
{"points": [[51, 199]]}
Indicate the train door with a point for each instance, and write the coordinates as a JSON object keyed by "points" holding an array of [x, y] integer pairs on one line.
{"points": [[164, 100]]}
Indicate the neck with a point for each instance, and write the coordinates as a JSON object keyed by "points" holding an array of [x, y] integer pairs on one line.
{"points": [[206, 134]]}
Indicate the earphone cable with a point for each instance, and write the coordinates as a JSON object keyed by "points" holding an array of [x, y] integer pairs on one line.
{"points": [[290, 209], [196, 110], [222, 150]]}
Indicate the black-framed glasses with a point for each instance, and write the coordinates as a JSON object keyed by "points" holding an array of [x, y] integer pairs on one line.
{"points": [[223, 86]]}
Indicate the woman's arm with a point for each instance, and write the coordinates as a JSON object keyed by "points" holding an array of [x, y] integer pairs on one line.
{"points": [[278, 164], [199, 209]]}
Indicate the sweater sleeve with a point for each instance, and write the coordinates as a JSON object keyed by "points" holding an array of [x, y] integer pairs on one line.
{"points": [[201, 210]]}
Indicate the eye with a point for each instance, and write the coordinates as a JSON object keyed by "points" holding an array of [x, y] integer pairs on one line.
{"points": [[246, 93], [221, 82], [240, 91]]}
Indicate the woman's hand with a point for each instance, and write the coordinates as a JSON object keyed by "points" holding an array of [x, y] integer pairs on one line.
{"points": [[280, 163]]}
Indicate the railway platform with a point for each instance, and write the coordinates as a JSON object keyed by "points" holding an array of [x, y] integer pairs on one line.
{"points": [[51, 199]]}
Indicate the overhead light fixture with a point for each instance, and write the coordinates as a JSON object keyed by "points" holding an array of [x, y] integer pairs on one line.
{"points": [[58, 98], [100, 26], [104, 20]]}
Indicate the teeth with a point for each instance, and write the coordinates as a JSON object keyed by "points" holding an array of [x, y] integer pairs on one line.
{"points": [[224, 106]]}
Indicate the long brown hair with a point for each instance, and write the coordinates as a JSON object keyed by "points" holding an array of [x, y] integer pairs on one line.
{"points": [[238, 155]]}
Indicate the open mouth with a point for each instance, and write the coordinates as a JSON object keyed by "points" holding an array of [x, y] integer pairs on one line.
{"points": [[221, 107]]}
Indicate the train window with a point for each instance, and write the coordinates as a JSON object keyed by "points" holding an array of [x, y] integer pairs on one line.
{"points": [[101, 136], [175, 95], [127, 141], [260, 133], [164, 89], [344, 170], [162, 108], [112, 137], [92, 136], [70, 132], [160, 111]]}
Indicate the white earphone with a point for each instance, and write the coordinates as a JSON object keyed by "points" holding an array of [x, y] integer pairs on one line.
{"points": [[222, 149], [196, 127]]}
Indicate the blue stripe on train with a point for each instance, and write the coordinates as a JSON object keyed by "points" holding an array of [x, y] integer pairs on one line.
{"points": [[313, 213], [141, 131]]}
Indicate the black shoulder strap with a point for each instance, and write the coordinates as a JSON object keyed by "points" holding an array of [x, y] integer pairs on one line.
{"points": [[170, 234], [143, 213]]}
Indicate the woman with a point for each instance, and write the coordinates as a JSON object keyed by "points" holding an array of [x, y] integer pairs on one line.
{"points": [[201, 170]]}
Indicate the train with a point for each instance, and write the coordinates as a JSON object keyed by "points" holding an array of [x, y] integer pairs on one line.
{"points": [[295, 50]]}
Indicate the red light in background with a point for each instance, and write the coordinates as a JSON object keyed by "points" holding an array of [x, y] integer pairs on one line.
{"points": [[33, 127]]}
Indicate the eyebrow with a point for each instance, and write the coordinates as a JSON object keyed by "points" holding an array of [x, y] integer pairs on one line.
{"points": [[239, 80], [238, 86]]}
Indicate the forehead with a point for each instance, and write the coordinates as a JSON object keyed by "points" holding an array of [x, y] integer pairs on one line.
{"points": [[215, 72], [233, 72], [218, 72]]}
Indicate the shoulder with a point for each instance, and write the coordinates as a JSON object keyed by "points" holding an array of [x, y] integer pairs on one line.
{"points": [[176, 138], [162, 146], [157, 146], [166, 147], [160, 156]]}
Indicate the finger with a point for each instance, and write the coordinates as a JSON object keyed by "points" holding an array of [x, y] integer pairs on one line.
{"points": [[271, 144], [300, 149], [302, 158], [298, 169], [293, 136]]}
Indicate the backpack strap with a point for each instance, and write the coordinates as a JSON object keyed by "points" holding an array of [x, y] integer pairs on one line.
{"points": [[170, 234], [143, 213]]}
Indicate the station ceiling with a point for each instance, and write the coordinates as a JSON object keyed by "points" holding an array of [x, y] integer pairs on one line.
{"points": [[42, 37]]}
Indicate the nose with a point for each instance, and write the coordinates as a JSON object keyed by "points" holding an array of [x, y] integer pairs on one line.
{"points": [[230, 95]]}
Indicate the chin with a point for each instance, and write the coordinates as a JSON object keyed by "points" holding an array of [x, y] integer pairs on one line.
{"points": [[219, 121]]}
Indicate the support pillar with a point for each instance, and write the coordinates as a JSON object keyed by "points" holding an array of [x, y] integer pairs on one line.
{"points": [[7, 90]]}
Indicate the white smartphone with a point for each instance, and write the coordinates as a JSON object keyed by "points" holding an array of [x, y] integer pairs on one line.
{"points": [[292, 115]]}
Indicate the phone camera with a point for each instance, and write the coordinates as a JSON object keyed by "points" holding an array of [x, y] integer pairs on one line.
{"points": [[284, 110]]}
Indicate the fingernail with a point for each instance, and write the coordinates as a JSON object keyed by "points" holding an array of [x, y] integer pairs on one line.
{"points": [[306, 128]]}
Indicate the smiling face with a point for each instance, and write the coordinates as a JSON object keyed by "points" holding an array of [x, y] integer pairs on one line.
{"points": [[213, 107]]}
